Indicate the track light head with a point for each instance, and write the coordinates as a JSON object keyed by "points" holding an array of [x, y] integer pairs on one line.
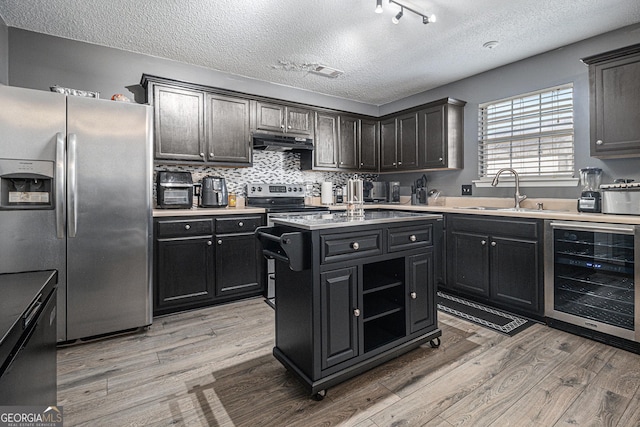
{"points": [[428, 19], [378, 6], [396, 18]]}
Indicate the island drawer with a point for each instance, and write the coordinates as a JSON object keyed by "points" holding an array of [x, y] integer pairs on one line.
{"points": [[236, 224], [184, 227], [344, 246], [403, 238]]}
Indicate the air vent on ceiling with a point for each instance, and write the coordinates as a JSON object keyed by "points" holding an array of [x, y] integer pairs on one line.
{"points": [[323, 70]]}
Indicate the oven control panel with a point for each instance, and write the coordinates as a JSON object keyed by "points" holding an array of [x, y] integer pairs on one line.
{"points": [[275, 190]]}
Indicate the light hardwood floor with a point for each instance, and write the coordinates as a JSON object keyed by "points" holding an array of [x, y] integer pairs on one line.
{"points": [[213, 367]]}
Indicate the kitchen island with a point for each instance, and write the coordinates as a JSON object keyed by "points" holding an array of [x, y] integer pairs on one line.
{"points": [[351, 292]]}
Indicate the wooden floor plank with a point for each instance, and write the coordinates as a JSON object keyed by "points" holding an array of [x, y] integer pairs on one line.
{"points": [[214, 367]]}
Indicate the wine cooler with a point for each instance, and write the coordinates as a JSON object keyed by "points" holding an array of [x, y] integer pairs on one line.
{"points": [[591, 280]]}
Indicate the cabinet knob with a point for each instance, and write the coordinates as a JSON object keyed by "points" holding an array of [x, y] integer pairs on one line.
{"points": [[399, 163], [440, 159], [356, 312], [241, 224], [342, 163], [355, 246], [281, 126], [361, 164], [209, 243], [493, 243], [394, 163], [413, 295], [187, 227], [599, 142], [413, 238], [201, 154], [219, 241], [210, 154], [288, 127], [483, 242]]}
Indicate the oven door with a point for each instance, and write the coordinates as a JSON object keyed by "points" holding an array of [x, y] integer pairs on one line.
{"points": [[590, 276]]}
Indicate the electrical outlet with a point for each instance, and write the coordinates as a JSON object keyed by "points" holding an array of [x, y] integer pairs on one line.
{"points": [[466, 189]]}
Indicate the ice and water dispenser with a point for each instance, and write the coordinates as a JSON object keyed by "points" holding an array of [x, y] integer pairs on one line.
{"points": [[26, 184]]}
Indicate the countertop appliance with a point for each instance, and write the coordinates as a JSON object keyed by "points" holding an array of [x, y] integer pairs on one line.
{"points": [[374, 191], [270, 142], [592, 287], [174, 190], [393, 192], [28, 373], [279, 200], [621, 197], [213, 192], [422, 197], [590, 179], [94, 224]]}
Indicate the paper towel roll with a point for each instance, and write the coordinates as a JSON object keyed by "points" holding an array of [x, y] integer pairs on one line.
{"points": [[326, 193]]}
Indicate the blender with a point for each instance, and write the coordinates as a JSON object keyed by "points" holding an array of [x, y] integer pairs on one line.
{"points": [[589, 200]]}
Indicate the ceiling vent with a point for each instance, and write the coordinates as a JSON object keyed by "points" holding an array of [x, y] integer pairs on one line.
{"points": [[323, 70]]}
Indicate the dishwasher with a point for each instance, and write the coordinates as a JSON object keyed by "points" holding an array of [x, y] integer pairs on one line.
{"points": [[591, 283]]}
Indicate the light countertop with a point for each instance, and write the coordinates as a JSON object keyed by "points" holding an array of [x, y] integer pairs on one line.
{"points": [[339, 219]]}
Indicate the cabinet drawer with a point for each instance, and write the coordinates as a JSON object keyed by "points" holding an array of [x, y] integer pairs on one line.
{"points": [[238, 224], [403, 238], [340, 247], [185, 227]]}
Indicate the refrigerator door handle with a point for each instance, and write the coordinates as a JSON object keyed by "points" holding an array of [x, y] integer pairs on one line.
{"points": [[60, 184], [72, 189]]}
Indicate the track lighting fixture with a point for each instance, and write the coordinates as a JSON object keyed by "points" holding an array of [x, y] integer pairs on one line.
{"points": [[378, 6], [426, 19], [396, 18]]}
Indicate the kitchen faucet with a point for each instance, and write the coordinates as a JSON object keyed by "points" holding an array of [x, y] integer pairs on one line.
{"points": [[517, 197]]}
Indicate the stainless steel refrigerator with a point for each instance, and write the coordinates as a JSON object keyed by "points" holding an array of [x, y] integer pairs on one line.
{"points": [[75, 196]]}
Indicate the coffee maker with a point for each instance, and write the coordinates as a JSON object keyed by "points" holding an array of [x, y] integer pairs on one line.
{"points": [[590, 179]]}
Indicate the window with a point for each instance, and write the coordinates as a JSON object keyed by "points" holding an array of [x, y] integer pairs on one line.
{"points": [[531, 133]]}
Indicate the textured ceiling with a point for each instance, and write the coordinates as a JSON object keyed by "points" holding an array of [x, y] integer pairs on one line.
{"points": [[277, 41]]}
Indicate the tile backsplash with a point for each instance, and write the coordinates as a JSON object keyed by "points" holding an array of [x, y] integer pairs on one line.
{"points": [[268, 167]]}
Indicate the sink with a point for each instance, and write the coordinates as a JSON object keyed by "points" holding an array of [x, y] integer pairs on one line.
{"points": [[491, 208]]}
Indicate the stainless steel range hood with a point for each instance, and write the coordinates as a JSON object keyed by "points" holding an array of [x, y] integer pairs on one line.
{"points": [[268, 142]]}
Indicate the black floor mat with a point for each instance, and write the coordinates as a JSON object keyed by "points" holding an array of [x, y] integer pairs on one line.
{"points": [[483, 315]]}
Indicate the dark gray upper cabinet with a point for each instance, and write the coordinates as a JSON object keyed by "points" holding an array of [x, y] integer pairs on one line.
{"points": [[194, 124], [388, 144], [348, 142], [228, 136], [614, 99], [407, 141], [179, 123], [272, 117], [368, 141], [440, 136], [325, 150]]}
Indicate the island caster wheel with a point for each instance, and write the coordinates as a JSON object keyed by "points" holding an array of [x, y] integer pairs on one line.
{"points": [[319, 395], [435, 343]]}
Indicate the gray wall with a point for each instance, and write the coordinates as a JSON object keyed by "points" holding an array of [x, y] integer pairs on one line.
{"points": [[4, 53], [39, 61], [538, 72]]}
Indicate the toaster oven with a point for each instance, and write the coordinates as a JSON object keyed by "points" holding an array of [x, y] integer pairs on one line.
{"points": [[174, 190]]}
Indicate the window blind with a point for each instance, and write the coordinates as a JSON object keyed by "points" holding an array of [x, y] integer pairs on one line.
{"points": [[531, 133]]}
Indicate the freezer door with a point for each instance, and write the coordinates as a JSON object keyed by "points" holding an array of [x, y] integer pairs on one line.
{"points": [[31, 122], [108, 216]]}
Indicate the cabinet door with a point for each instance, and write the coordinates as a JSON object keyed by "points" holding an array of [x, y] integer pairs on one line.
{"points": [[388, 145], [431, 138], [339, 322], [299, 121], [368, 145], [407, 141], [348, 142], [515, 275], [179, 123], [326, 141], [421, 287], [615, 108], [468, 262], [228, 137], [238, 265], [184, 273], [270, 117]]}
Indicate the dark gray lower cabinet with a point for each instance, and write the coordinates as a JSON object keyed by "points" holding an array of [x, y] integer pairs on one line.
{"points": [[496, 260], [195, 267]]}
